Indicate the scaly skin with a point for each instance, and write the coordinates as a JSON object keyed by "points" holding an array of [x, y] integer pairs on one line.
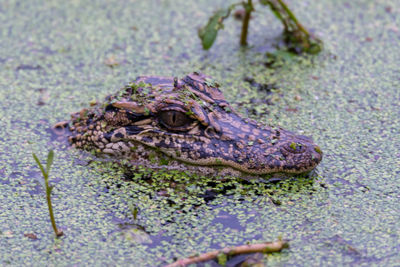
{"points": [[164, 120]]}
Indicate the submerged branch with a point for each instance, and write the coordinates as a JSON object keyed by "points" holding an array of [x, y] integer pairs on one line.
{"points": [[266, 247]]}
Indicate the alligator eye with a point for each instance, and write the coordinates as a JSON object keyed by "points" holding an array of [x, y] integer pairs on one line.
{"points": [[174, 119]]}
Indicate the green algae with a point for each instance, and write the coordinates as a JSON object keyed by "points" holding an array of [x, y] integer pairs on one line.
{"points": [[347, 98]]}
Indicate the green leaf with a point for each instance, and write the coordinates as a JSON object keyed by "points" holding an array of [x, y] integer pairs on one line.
{"points": [[222, 259], [50, 157], [316, 45], [134, 211], [293, 146], [280, 57], [40, 165], [209, 32]]}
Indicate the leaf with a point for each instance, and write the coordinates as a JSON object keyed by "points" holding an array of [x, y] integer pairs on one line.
{"points": [[40, 165], [279, 57], [209, 32], [134, 210], [137, 235], [50, 157], [222, 258], [316, 45]]}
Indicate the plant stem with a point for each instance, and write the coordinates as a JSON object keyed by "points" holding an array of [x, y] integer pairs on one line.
{"points": [[293, 17], [48, 188], [296, 36], [48, 197], [248, 7]]}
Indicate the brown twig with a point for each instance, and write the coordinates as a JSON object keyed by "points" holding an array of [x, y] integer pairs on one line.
{"points": [[266, 247]]}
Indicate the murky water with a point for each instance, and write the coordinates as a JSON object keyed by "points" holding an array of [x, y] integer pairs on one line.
{"points": [[55, 58]]}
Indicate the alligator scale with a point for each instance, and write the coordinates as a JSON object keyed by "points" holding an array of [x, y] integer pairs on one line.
{"points": [[187, 123]]}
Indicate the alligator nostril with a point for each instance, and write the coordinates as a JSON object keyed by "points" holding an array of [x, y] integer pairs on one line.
{"points": [[293, 148]]}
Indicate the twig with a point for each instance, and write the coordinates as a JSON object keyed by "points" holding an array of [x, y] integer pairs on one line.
{"points": [[266, 247]]}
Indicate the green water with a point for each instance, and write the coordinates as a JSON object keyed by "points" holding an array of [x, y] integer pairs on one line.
{"points": [[55, 58]]}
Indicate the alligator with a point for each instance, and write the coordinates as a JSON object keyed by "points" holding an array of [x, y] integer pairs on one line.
{"points": [[166, 122]]}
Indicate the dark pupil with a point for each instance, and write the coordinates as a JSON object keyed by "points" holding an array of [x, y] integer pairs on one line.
{"points": [[174, 118]]}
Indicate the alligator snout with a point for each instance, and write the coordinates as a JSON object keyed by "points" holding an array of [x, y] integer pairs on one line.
{"points": [[272, 151]]}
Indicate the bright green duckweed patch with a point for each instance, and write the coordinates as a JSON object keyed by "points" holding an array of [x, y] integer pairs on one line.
{"points": [[58, 56]]}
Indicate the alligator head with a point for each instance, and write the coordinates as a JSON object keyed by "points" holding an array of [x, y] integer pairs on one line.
{"points": [[189, 122]]}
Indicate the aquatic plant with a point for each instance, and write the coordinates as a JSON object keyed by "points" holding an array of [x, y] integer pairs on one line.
{"points": [[296, 37], [48, 187]]}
